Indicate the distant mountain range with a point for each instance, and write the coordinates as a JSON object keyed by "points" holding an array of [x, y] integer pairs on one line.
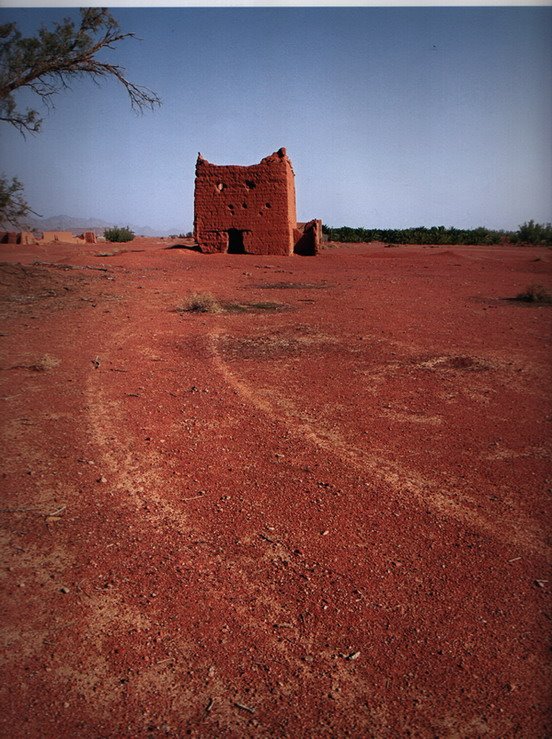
{"points": [[78, 225]]}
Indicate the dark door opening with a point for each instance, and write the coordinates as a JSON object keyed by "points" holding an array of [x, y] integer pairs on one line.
{"points": [[235, 241]]}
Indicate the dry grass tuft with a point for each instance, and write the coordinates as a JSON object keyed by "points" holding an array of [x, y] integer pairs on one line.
{"points": [[45, 363], [200, 303], [535, 294], [207, 303]]}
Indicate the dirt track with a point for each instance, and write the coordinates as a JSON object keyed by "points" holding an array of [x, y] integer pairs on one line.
{"points": [[325, 520]]}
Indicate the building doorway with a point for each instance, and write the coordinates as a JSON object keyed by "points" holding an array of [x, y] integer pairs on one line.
{"points": [[235, 241]]}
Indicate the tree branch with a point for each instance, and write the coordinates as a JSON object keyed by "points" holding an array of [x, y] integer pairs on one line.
{"points": [[46, 65]]}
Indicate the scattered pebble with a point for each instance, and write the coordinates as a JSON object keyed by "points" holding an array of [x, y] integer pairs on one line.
{"points": [[64, 589]]}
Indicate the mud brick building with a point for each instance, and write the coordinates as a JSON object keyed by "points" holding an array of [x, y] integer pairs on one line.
{"points": [[17, 237], [250, 210]]}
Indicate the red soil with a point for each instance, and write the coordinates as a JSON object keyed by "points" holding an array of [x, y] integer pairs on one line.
{"points": [[328, 520]]}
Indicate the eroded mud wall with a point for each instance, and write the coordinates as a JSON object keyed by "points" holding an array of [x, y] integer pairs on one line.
{"points": [[245, 209], [64, 236], [307, 238], [17, 237]]}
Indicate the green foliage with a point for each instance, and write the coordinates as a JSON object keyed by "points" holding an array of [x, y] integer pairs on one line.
{"points": [[119, 234], [13, 207], [528, 233], [46, 63], [419, 235], [534, 233]]}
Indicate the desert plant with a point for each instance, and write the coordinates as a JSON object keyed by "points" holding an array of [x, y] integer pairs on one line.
{"points": [[119, 233], [200, 303], [535, 294]]}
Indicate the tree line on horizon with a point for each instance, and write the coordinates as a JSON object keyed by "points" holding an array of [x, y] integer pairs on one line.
{"points": [[529, 232]]}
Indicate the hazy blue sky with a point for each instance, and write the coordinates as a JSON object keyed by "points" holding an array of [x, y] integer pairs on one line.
{"points": [[392, 117]]}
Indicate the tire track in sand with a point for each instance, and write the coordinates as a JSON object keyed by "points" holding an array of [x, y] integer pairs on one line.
{"points": [[524, 534], [136, 477]]}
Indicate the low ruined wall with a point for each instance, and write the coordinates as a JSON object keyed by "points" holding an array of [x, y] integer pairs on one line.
{"points": [[17, 237], [27, 237], [8, 237], [308, 238], [66, 237]]}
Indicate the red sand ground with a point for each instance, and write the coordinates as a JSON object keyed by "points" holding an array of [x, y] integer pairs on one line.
{"points": [[325, 521]]}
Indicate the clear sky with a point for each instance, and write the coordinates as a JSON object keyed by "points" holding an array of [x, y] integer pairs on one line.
{"points": [[392, 117]]}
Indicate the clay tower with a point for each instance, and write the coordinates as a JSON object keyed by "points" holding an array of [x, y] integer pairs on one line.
{"points": [[247, 210]]}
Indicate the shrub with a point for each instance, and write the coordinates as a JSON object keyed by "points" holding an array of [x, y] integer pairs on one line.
{"points": [[417, 235], [535, 233], [200, 303], [535, 294], [119, 233]]}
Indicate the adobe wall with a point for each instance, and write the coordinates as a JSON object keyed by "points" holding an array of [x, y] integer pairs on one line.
{"points": [[27, 237], [308, 237], [17, 237], [8, 237], [65, 237], [254, 205]]}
